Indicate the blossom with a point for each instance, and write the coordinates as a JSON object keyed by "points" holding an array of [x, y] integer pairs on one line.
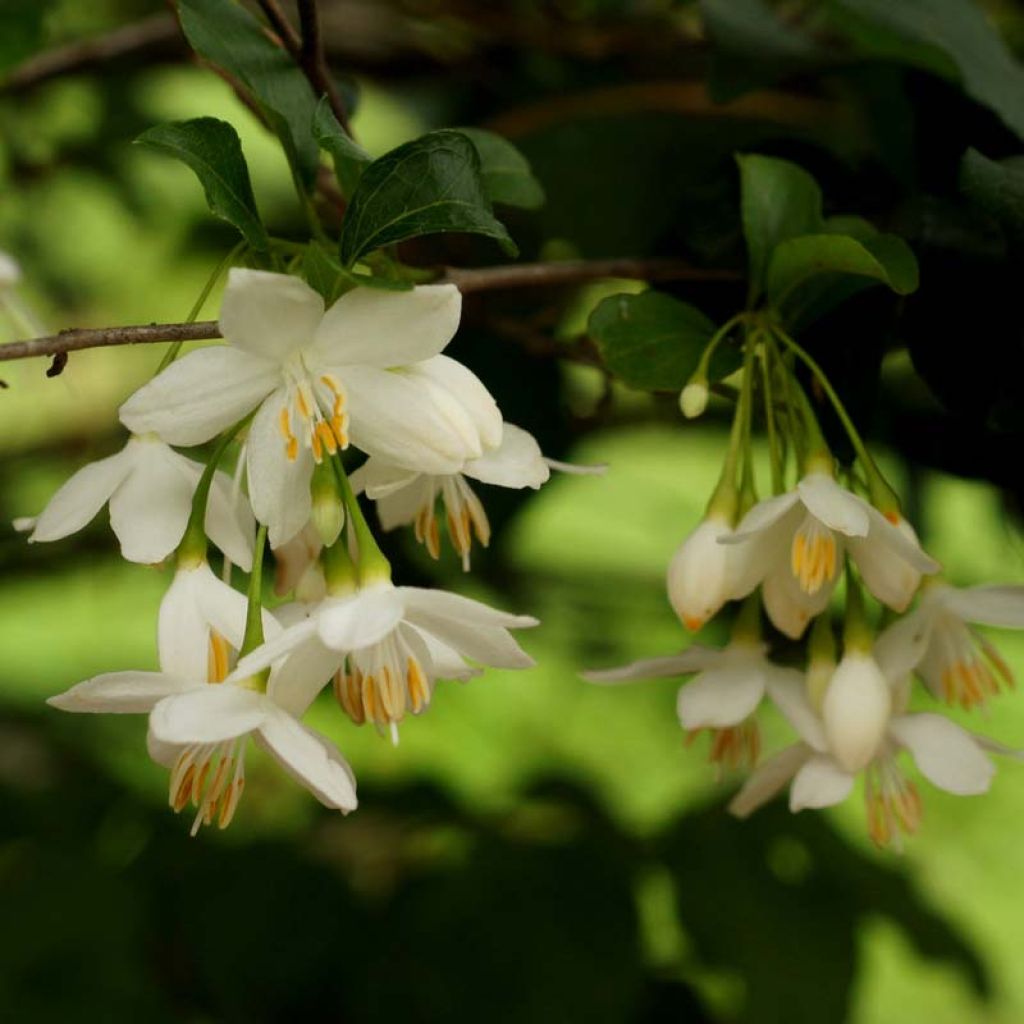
{"points": [[957, 663], [386, 646], [404, 495], [728, 687], [794, 543], [199, 718], [150, 488], [946, 755], [367, 369]]}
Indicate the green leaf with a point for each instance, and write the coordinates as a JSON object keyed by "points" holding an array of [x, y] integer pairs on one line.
{"points": [[849, 224], [229, 36], [997, 188], [212, 149], [779, 200], [350, 159], [425, 187], [653, 341], [946, 36], [323, 273], [506, 173]]}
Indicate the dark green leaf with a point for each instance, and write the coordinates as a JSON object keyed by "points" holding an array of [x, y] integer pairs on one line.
{"points": [[779, 200], [350, 159], [943, 35], [849, 224], [997, 188], [228, 35], [425, 187], [212, 149], [653, 341], [506, 173], [322, 271]]}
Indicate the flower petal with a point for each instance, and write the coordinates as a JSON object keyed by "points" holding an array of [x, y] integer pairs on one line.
{"points": [[81, 496], [833, 505], [361, 620], [394, 417], [693, 659], [311, 759], [148, 512], [445, 661], [891, 560], [442, 603], [820, 783], [302, 675], [901, 646], [400, 508], [121, 692], [762, 516], [378, 478], [209, 714], [789, 608], [768, 779], [721, 697], [384, 329], [229, 521], [200, 395], [165, 754], [987, 606], [269, 315], [788, 691], [516, 462], [281, 645], [947, 756], [278, 486]]}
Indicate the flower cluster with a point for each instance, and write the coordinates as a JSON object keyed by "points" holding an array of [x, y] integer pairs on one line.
{"points": [[293, 387], [795, 547]]}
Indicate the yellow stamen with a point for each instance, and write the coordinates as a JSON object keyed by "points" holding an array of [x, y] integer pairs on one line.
{"points": [[217, 659]]}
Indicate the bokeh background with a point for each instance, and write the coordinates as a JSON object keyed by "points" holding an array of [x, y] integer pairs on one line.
{"points": [[535, 849]]}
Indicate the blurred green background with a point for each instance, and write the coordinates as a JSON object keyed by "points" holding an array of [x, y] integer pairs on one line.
{"points": [[534, 849]]}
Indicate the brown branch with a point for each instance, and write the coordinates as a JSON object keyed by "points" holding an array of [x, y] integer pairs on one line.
{"points": [[282, 26], [78, 338], [313, 62]]}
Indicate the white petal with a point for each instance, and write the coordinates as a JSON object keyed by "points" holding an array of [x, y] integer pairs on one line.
{"points": [[310, 759], [290, 639], [165, 754], [762, 516], [384, 329], [229, 521], [378, 478], [302, 675], [148, 512], [699, 580], [988, 606], [902, 542], [789, 608], [901, 646], [833, 505], [209, 714], [947, 756], [516, 462], [721, 697], [820, 783], [123, 692], [392, 416], [445, 661], [81, 496], [693, 659], [466, 390], [788, 690], [576, 468], [401, 507], [200, 395], [270, 315], [891, 561], [443, 604], [278, 486], [856, 710], [768, 779], [361, 620]]}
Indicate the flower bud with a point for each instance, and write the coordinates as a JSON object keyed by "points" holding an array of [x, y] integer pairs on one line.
{"points": [[694, 399], [856, 710], [699, 575], [328, 514]]}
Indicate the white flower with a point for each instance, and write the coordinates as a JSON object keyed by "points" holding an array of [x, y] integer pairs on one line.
{"points": [[948, 756], [957, 663], [723, 695], [405, 496], [318, 379], [199, 719], [795, 543], [388, 645], [150, 488]]}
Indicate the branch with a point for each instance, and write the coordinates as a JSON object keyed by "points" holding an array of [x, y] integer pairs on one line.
{"points": [[313, 62], [77, 338]]}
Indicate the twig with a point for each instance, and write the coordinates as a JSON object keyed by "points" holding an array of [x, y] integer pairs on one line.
{"points": [[102, 337], [282, 26], [313, 62]]}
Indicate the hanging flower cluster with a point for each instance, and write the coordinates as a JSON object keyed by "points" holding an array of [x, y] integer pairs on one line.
{"points": [[786, 555], [293, 387]]}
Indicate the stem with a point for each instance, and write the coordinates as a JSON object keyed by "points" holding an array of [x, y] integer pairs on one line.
{"points": [[857, 635], [373, 566], [701, 373], [748, 486], [254, 613], [769, 419], [172, 353]]}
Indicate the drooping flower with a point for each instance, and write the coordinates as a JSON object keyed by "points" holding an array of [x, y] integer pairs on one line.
{"points": [[150, 488], [405, 496], [938, 639], [199, 719], [794, 543], [386, 647], [726, 690], [945, 754], [366, 370]]}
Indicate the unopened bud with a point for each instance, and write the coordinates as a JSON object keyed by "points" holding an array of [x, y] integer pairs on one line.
{"points": [[694, 399], [328, 514], [856, 710]]}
